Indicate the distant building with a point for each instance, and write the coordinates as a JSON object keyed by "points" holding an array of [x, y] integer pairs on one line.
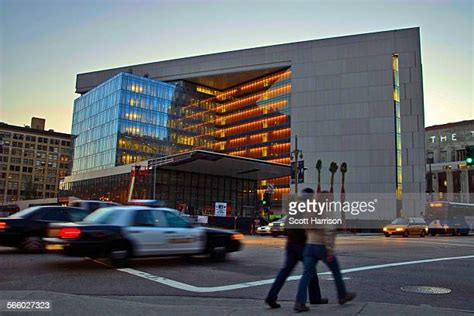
{"points": [[33, 160], [448, 177]]}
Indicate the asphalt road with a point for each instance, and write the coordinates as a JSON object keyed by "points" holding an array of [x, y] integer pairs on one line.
{"points": [[376, 268]]}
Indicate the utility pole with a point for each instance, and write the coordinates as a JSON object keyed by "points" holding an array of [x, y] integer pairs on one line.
{"points": [[297, 155]]}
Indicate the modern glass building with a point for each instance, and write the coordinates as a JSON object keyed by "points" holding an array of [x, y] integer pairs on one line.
{"points": [[355, 99], [128, 119]]}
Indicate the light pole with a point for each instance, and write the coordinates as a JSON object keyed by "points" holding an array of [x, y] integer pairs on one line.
{"points": [[297, 155], [429, 177]]}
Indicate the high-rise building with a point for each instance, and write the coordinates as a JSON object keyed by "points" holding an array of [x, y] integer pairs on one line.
{"points": [[355, 99], [33, 161]]}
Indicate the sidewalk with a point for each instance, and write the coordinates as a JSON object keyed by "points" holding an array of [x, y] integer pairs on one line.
{"points": [[67, 304]]}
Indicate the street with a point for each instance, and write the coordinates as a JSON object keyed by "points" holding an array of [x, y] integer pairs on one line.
{"points": [[373, 266]]}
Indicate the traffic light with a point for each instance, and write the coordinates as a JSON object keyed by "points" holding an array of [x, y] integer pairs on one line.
{"points": [[267, 198], [469, 155]]}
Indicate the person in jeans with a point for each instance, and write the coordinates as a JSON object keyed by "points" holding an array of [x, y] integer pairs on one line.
{"points": [[294, 252], [320, 246]]}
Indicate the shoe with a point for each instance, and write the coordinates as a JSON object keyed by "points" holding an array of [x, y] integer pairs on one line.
{"points": [[321, 301], [349, 297], [300, 308], [272, 304]]}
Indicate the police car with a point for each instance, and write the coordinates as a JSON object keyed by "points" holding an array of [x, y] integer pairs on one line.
{"points": [[122, 232]]}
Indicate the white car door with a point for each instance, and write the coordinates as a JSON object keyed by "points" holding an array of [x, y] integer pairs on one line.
{"points": [[146, 233], [181, 236]]}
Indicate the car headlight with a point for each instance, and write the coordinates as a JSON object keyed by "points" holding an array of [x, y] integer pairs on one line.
{"points": [[399, 229], [426, 228], [270, 225], [385, 229]]}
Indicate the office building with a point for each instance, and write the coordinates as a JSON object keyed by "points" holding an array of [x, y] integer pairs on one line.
{"points": [[33, 161], [448, 177], [356, 99]]}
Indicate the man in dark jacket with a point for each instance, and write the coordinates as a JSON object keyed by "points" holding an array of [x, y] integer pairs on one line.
{"points": [[294, 252]]}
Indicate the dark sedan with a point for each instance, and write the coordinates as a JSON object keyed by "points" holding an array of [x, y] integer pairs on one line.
{"points": [[25, 229]]}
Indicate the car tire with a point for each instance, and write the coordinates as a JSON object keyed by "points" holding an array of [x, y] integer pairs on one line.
{"points": [[405, 233], [275, 235], [433, 234], [455, 232], [423, 233], [119, 257], [218, 255], [387, 235], [32, 244]]}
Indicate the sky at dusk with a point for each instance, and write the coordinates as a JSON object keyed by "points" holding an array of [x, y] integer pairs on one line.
{"points": [[45, 44]]}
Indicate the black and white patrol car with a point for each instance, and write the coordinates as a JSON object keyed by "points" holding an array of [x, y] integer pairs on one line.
{"points": [[25, 229], [122, 232]]}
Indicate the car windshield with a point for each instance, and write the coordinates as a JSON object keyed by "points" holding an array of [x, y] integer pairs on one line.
{"points": [[102, 216], [400, 221], [25, 213]]}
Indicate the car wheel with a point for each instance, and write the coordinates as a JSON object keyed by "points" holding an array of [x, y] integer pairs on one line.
{"points": [[119, 257], [218, 254], [432, 233], [32, 244], [405, 233], [455, 232], [275, 234], [387, 235], [423, 233]]}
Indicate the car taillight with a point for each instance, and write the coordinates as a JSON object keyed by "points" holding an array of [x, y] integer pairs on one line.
{"points": [[69, 233], [237, 237], [3, 225]]}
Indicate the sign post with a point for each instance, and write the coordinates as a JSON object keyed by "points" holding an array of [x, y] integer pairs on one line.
{"points": [[220, 209]]}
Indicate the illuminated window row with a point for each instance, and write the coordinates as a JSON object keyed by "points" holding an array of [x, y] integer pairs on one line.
{"points": [[260, 124], [253, 98], [263, 82], [262, 152], [258, 111]]}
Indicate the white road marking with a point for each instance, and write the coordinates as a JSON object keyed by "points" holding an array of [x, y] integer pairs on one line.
{"points": [[440, 243], [210, 289]]}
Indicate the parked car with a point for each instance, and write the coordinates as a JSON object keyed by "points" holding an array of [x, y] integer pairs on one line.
{"points": [[25, 229], [406, 227], [122, 232]]}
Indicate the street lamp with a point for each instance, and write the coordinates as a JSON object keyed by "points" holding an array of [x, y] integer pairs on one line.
{"points": [[429, 176]]}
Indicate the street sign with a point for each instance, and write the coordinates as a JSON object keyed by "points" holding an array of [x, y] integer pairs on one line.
{"points": [[300, 169], [220, 209]]}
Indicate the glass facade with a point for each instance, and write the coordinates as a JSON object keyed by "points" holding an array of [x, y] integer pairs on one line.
{"points": [[253, 120], [177, 189], [130, 118], [398, 137]]}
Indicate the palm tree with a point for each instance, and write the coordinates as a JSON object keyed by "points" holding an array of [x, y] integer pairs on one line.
{"points": [[333, 170], [343, 192], [319, 164]]}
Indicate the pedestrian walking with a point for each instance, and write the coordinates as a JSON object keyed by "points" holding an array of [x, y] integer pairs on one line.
{"points": [[320, 246], [296, 240]]}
